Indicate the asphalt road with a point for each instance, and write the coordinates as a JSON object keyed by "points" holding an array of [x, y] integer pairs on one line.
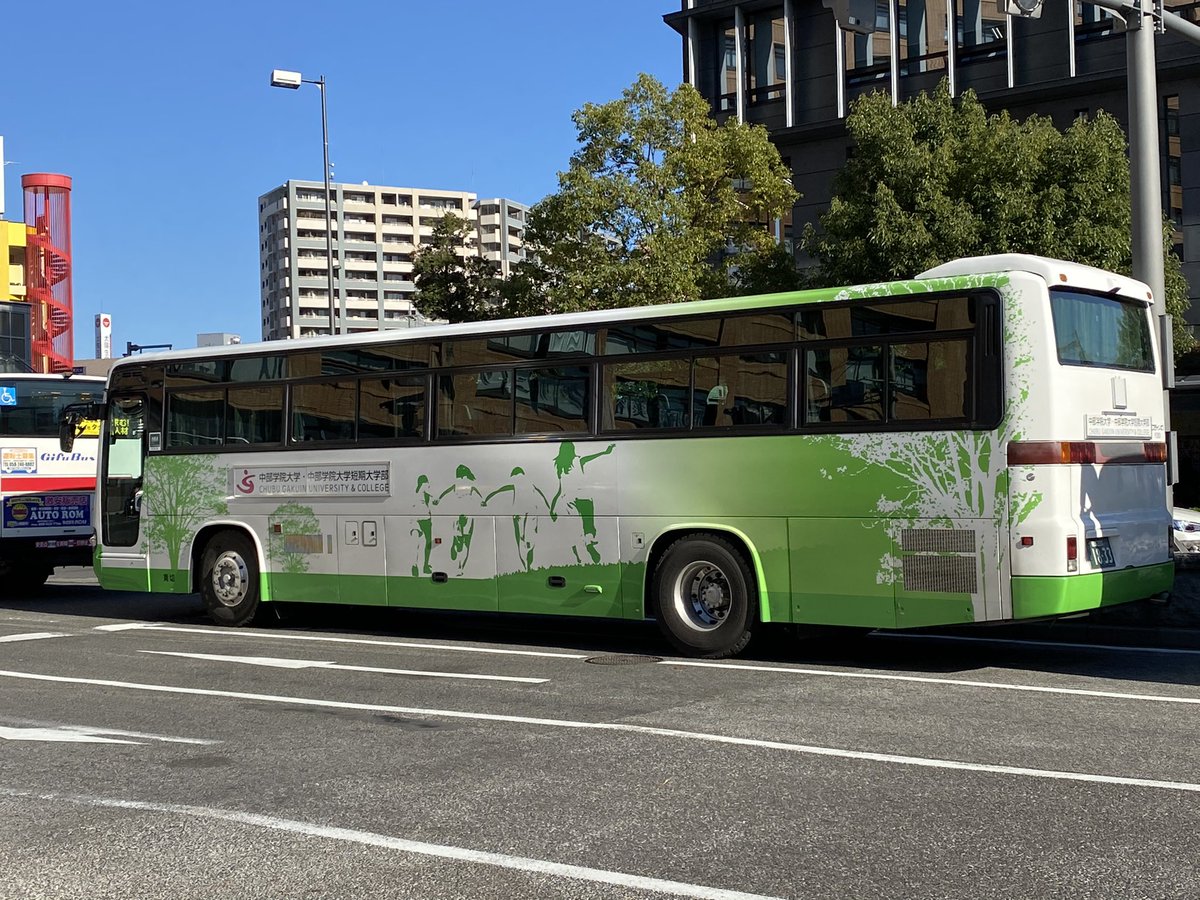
{"points": [[342, 753]]}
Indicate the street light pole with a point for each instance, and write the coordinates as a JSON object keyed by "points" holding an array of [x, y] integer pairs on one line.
{"points": [[292, 80], [333, 310]]}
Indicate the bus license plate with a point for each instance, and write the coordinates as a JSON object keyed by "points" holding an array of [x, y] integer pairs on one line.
{"points": [[1100, 553]]}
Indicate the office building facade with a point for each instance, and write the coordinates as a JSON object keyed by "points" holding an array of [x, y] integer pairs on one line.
{"points": [[787, 65]]}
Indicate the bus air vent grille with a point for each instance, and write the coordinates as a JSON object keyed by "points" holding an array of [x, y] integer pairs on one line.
{"points": [[937, 540], [940, 574], [302, 543]]}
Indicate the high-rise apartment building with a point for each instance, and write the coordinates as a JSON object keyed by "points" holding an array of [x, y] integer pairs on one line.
{"points": [[787, 65], [376, 232], [502, 225]]}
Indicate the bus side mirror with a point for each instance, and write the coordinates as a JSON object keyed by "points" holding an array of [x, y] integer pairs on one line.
{"points": [[74, 423], [67, 426]]}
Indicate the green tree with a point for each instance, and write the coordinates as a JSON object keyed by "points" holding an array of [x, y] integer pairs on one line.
{"points": [[654, 195], [453, 281], [766, 272], [934, 179]]}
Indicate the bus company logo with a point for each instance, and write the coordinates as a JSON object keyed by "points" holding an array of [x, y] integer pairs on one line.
{"points": [[58, 456], [246, 484], [19, 461]]}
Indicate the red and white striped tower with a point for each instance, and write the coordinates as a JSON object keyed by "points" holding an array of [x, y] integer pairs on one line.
{"points": [[48, 269]]}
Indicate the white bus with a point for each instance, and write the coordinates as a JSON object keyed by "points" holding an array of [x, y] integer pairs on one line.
{"points": [[979, 444], [46, 518]]}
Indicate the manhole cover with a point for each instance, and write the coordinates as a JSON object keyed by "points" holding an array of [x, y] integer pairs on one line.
{"points": [[622, 660]]}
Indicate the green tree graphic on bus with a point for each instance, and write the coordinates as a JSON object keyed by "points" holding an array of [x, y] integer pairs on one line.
{"points": [[292, 519], [181, 493], [946, 476]]}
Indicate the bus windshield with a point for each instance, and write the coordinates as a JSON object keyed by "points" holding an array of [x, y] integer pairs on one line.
{"points": [[1101, 331], [33, 407]]}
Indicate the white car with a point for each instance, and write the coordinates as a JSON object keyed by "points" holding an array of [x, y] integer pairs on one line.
{"points": [[1185, 530]]}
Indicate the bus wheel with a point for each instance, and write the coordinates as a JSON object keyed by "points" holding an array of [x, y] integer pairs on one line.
{"points": [[702, 596], [229, 579]]}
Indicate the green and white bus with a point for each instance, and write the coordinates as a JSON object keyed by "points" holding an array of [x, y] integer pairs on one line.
{"points": [[979, 444]]}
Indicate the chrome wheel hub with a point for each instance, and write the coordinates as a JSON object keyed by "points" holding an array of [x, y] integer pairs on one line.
{"points": [[702, 596], [230, 579]]}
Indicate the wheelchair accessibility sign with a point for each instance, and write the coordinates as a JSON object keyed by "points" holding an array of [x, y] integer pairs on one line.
{"points": [[8, 395]]}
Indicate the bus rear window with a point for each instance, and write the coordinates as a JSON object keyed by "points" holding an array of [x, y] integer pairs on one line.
{"points": [[32, 408], [1101, 331]]}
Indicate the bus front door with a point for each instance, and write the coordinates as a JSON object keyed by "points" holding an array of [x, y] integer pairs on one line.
{"points": [[122, 564]]}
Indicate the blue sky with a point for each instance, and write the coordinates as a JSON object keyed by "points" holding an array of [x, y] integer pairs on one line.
{"points": [[164, 117]]}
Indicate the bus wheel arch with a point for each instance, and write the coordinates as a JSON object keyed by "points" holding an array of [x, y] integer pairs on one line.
{"points": [[702, 587], [227, 569]]}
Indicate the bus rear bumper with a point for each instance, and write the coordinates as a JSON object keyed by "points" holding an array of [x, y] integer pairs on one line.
{"points": [[65, 550], [1039, 596]]}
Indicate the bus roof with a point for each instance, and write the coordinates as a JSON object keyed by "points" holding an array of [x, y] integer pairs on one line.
{"points": [[1053, 271], [979, 266], [49, 376]]}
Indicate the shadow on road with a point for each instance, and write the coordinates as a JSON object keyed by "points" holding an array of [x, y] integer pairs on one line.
{"points": [[966, 652]]}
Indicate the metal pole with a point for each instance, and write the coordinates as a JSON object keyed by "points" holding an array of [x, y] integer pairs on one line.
{"points": [[320, 83], [1146, 224]]}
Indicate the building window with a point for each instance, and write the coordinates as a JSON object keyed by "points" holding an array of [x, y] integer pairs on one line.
{"points": [[766, 49], [922, 35], [868, 56], [1092, 22], [1173, 169], [981, 31], [726, 66]]}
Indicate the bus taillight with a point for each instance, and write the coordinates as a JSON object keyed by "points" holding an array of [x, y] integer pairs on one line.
{"points": [[1072, 554], [1155, 451], [1032, 453]]}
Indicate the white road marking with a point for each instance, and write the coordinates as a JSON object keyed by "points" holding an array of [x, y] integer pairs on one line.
{"points": [[29, 724], [441, 851], [1024, 643], [32, 636], [279, 663], [58, 735], [922, 679], [267, 635], [868, 756]]}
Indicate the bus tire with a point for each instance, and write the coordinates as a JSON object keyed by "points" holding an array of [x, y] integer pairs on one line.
{"points": [[229, 582], [703, 597]]}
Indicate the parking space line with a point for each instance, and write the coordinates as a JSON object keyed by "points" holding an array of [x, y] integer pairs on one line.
{"points": [[925, 679], [861, 755], [32, 636], [274, 636], [372, 839]]}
